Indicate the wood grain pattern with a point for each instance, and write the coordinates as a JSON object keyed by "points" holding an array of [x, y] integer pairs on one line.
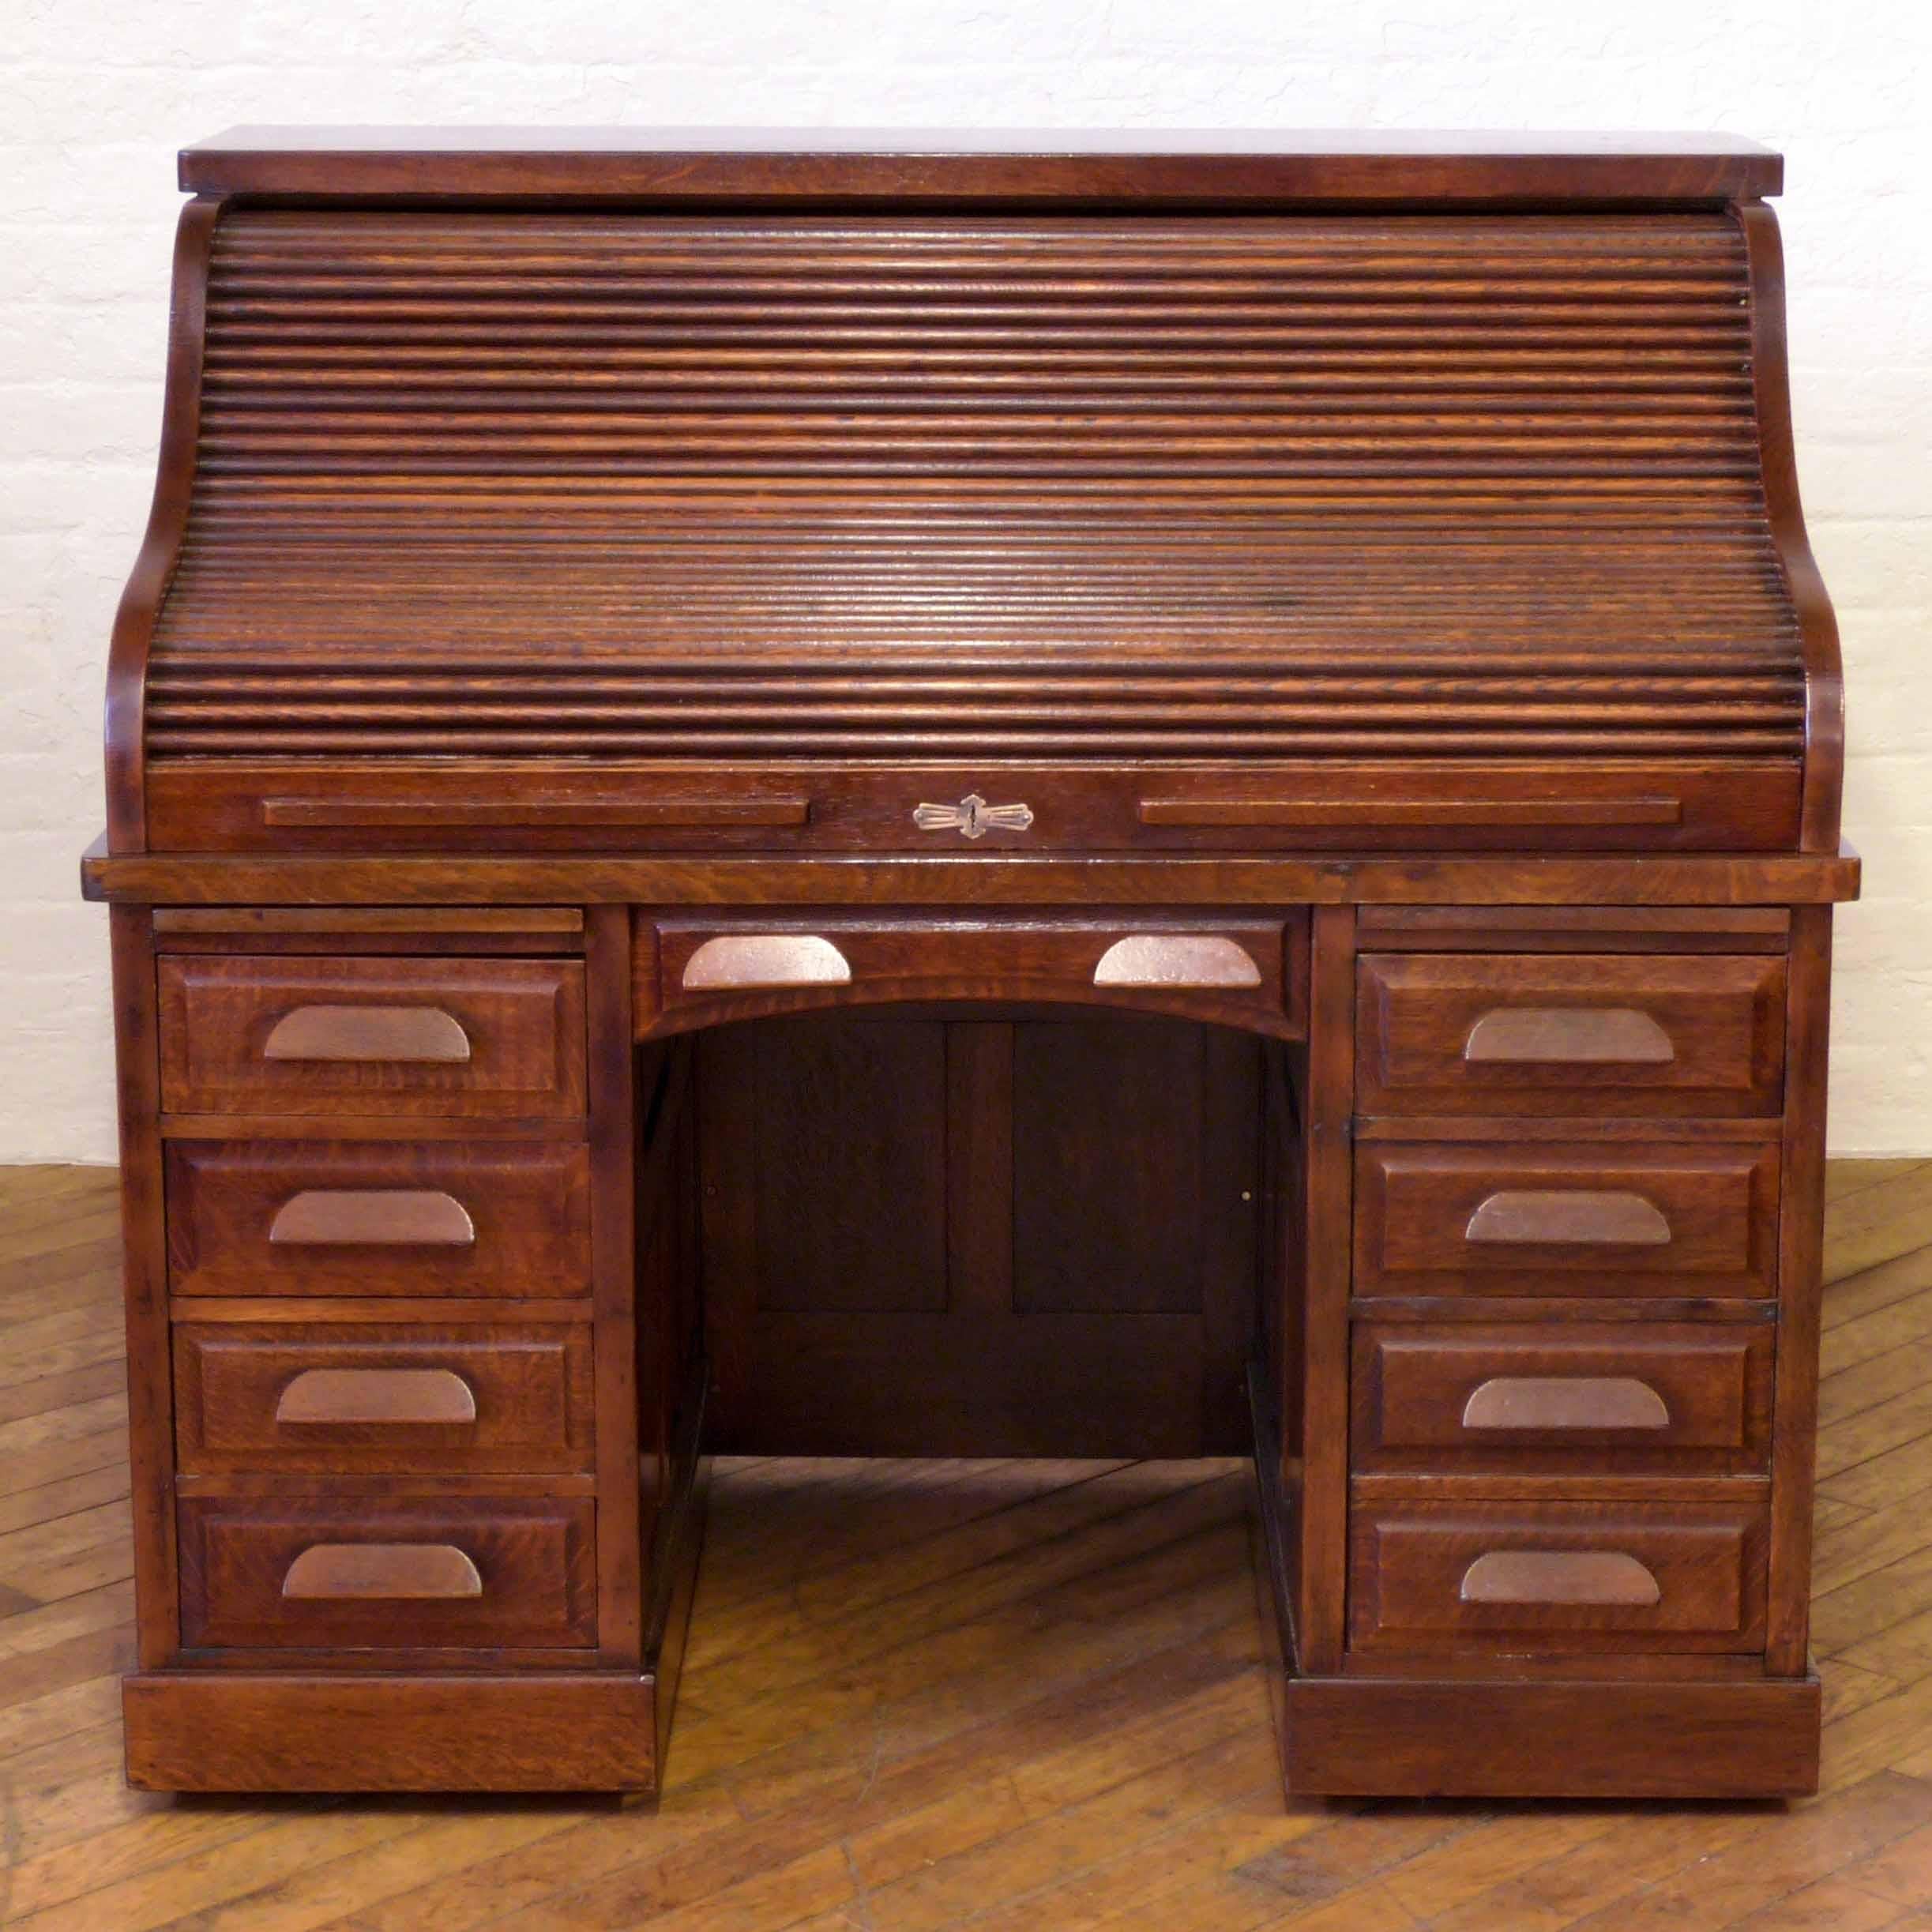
{"points": [[986, 879], [526, 1204], [1372, 591], [1419, 1228], [1543, 1034], [947, 165], [534, 1560], [901, 564], [1422, 1576], [339, 1397], [401, 1036], [494, 805], [1581, 1397], [1242, 972], [1124, 1655]]}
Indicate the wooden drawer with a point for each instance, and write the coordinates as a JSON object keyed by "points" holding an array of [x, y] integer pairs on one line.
{"points": [[501, 1037], [1245, 972], [1322, 802], [1690, 1398], [1586, 1034], [1556, 1576], [378, 1217], [382, 1397], [368, 1572], [1659, 1217]]}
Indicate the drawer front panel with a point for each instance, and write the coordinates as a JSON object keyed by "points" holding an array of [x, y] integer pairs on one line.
{"points": [[1659, 1218], [1589, 1034], [1556, 1576], [378, 1218], [1245, 972], [362, 1574], [496, 1038], [1549, 1398], [1262, 804], [380, 1397]]}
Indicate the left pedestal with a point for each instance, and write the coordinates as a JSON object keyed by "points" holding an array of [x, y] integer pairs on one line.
{"points": [[398, 1526]]}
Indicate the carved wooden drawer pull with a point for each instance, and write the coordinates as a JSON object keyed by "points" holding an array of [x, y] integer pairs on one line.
{"points": [[373, 1217], [1572, 1035], [340, 1571], [1579, 1577], [1567, 1217], [425, 1033], [1176, 960], [741, 961], [1564, 1402], [417, 1395]]}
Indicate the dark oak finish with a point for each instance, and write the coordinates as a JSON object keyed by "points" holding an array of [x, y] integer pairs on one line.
{"points": [[245, 1216], [1248, 973], [1583, 1035], [402, 1036], [1554, 1578], [1582, 1397], [956, 794], [1141, 167], [308, 1572], [1661, 1217], [341, 1396]]}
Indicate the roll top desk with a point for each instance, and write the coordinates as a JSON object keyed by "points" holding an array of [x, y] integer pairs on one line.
{"points": [[1054, 798]]}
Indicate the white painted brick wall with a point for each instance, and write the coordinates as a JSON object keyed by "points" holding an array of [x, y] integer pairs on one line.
{"points": [[96, 95]]}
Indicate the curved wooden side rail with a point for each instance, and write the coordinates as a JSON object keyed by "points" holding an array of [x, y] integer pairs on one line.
{"points": [[742, 962], [1568, 1036], [168, 523], [414, 1396], [1176, 960], [1606, 1577], [425, 1034], [1819, 811], [1568, 1217], [414, 1572], [400, 1217], [1564, 1402]]}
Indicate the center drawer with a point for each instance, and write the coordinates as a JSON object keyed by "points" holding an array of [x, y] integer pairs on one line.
{"points": [[371, 1396], [378, 1217], [369, 1573], [1245, 972]]}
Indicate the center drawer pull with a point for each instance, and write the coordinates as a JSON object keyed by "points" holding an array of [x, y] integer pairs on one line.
{"points": [[421, 1033], [1580, 1576], [1564, 1402], [1176, 960], [740, 961], [414, 1395], [1571, 1035], [1568, 1217], [341, 1571], [395, 1217]]}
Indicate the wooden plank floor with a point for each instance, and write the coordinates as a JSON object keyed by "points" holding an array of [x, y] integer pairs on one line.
{"points": [[1018, 1696]]}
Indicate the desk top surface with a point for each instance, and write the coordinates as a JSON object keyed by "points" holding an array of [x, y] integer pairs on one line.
{"points": [[1159, 166]]}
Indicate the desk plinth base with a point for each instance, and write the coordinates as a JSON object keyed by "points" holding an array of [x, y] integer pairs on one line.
{"points": [[230, 1730], [1418, 1736], [371, 1730], [1379, 1737]]}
